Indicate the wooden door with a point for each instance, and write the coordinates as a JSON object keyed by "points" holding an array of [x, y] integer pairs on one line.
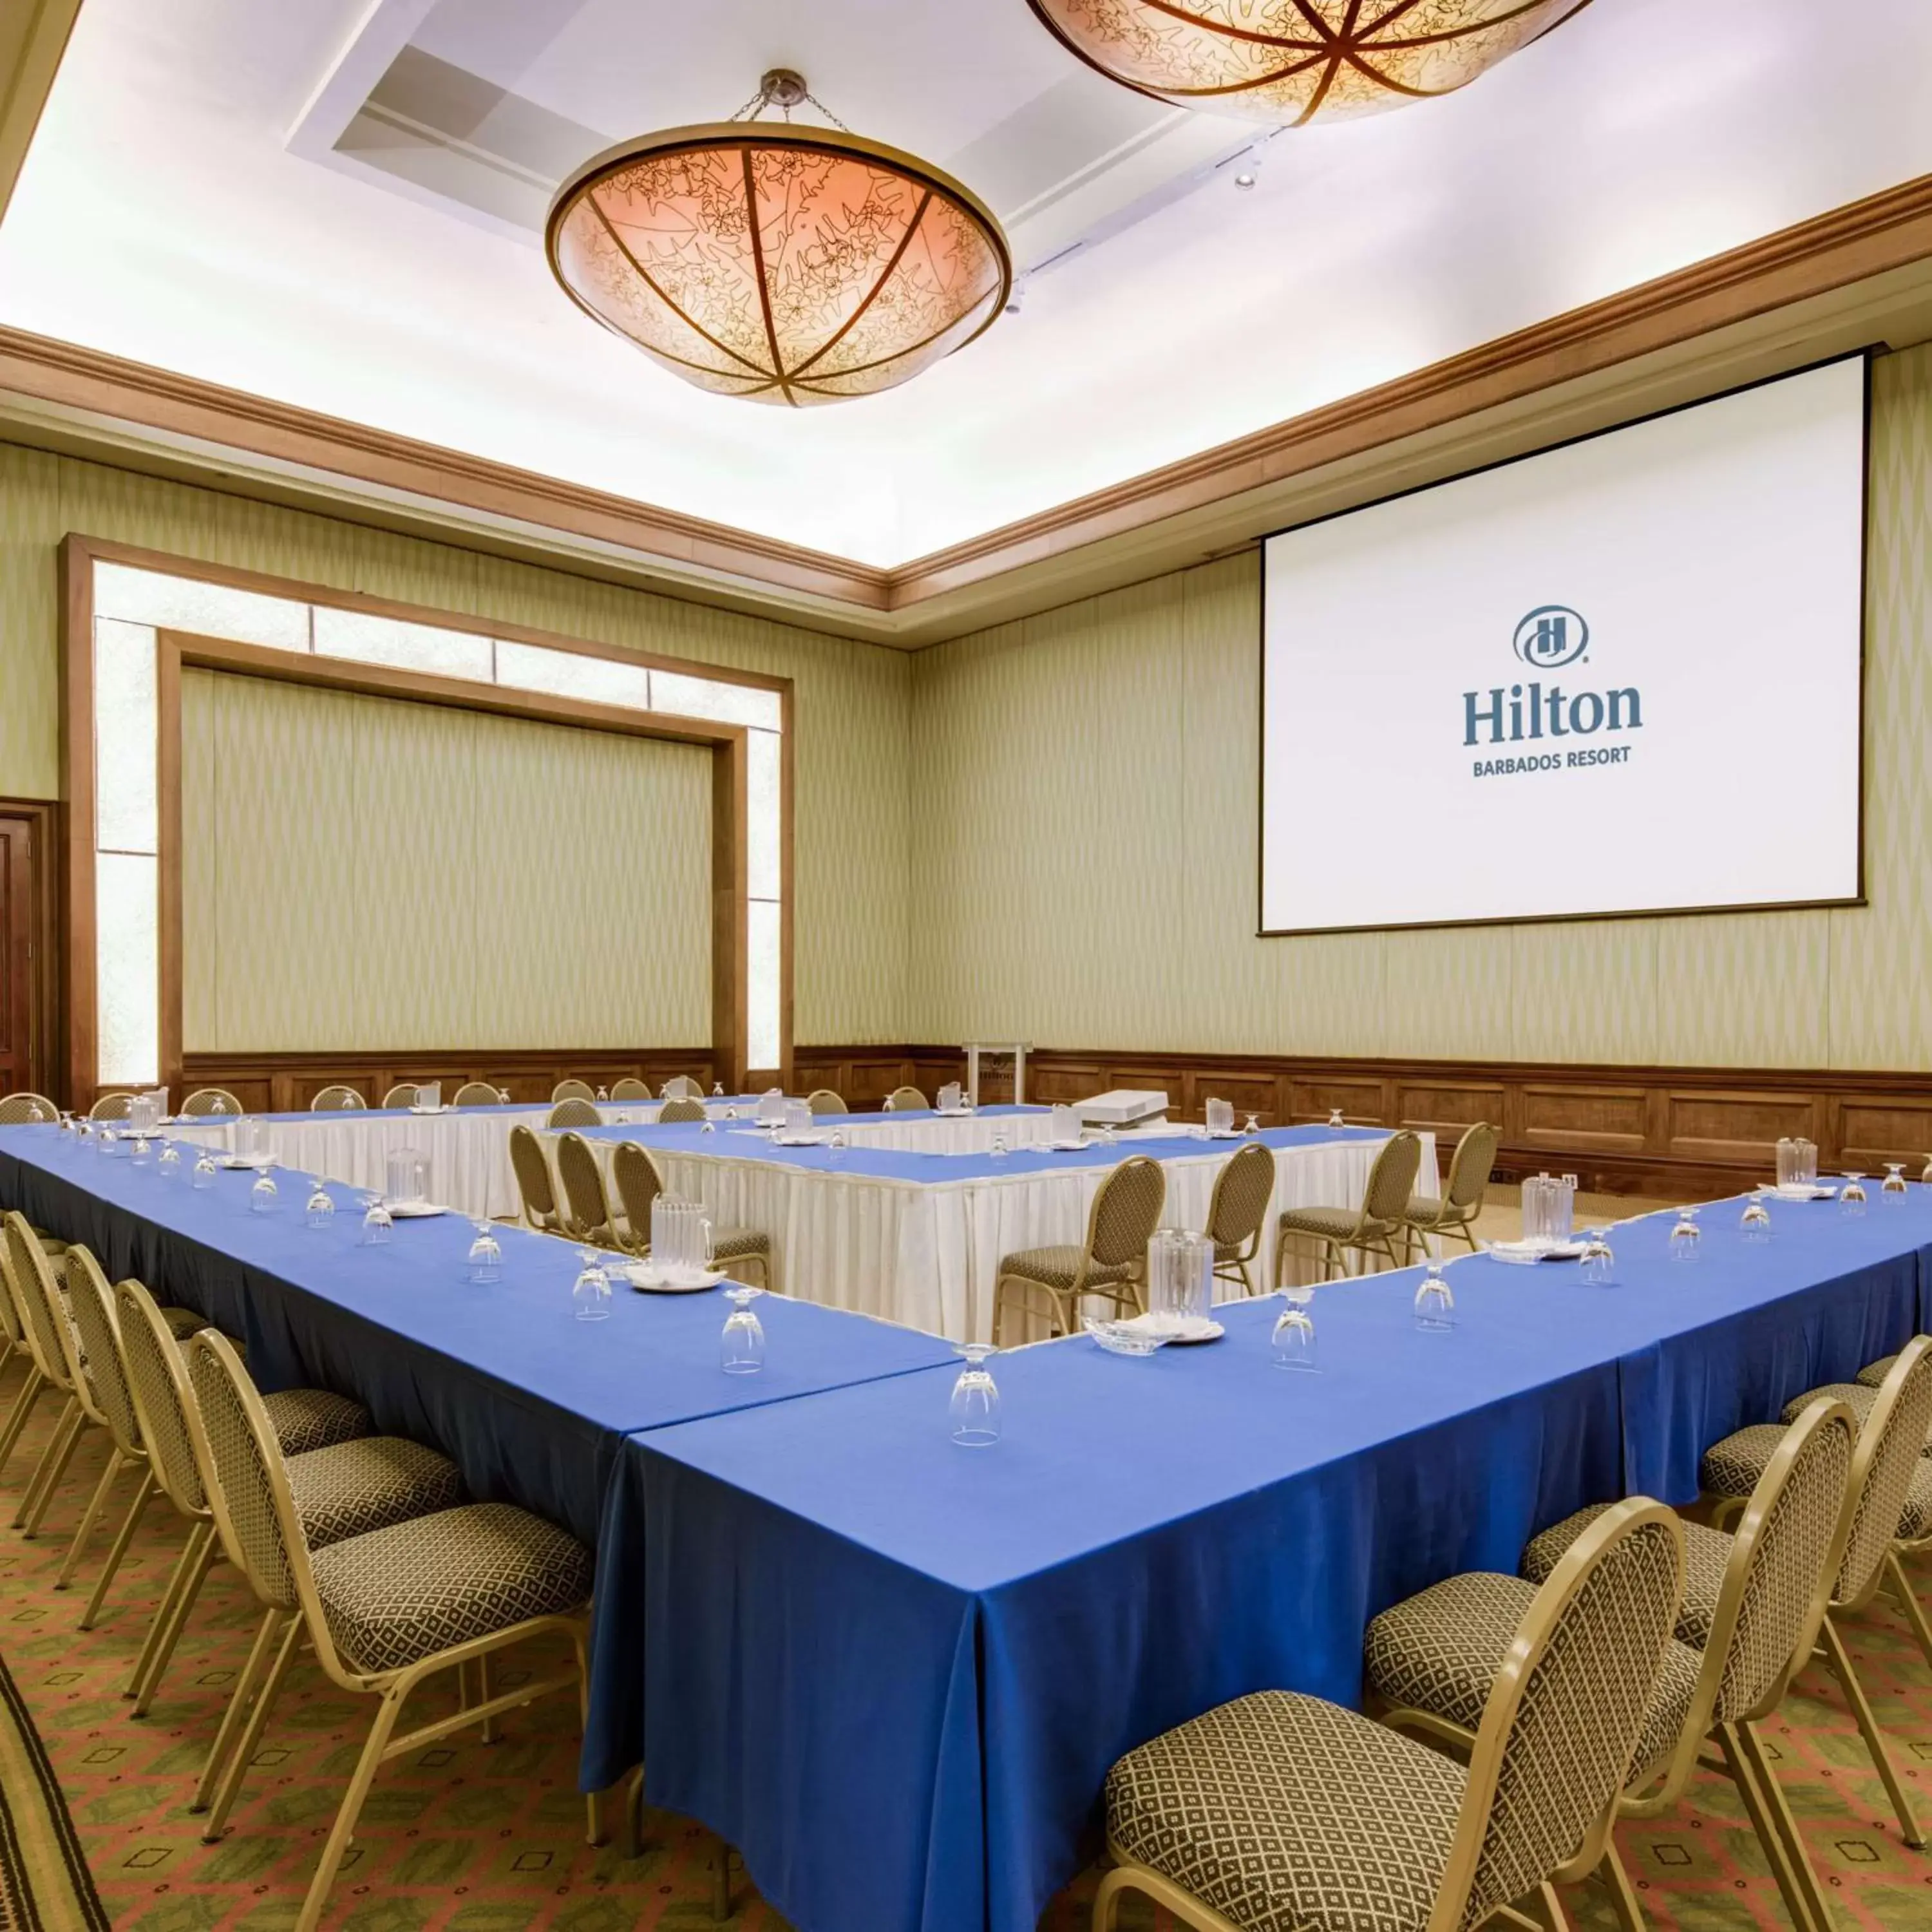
{"points": [[21, 940]]}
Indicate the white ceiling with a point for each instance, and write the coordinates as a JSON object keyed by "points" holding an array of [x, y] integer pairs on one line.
{"points": [[331, 204]]}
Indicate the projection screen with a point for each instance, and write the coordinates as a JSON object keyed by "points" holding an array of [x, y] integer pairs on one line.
{"points": [[1621, 675]]}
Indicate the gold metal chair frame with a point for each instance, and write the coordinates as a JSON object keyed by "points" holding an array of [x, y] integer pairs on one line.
{"points": [[477, 1094], [205, 1101], [571, 1112], [1371, 1233], [338, 1099], [22, 1108], [906, 1099], [116, 1106], [631, 1088], [535, 1186], [1242, 1233], [823, 1100], [1128, 1294], [586, 1205], [680, 1111], [571, 1090], [1462, 1197], [402, 1094]]}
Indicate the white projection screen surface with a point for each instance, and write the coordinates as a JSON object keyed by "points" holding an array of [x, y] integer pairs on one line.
{"points": [[1621, 675]]}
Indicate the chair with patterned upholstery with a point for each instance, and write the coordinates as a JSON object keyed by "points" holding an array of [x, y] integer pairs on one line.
{"points": [[207, 1100], [1111, 1262], [1892, 1439], [571, 1090], [1237, 1212], [478, 1093], [680, 1110], [402, 1094], [682, 1087], [1371, 1228], [24, 1109], [16, 1346], [533, 1181], [305, 1419], [1752, 1603], [338, 1099], [1455, 1211], [638, 1180], [112, 1107], [631, 1088], [823, 1100], [586, 1205], [386, 1609], [572, 1112], [906, 1100], [1281, 1811]]}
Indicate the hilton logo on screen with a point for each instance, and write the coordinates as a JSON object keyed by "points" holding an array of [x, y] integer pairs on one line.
{"points": [[1546, 639]]}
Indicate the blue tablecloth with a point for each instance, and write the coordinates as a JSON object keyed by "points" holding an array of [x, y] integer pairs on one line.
{"points": [[895, 1672], [532, 1405]]}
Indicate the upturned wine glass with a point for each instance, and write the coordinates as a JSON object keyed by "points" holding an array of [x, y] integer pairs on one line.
{"points": [[590, 1293], [741, 1348], [1292, 1344], [319, 1210], [1598, 1264], [974, 1410], [377, 1225], [1434, 1304], [1754, 1224], [484, 1262], [1893, 1186], [1852, 1195], [1686, 1236]]}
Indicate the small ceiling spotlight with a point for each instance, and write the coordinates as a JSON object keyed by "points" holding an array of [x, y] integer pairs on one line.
{"points": [[1250, 171], [1016, 296]]}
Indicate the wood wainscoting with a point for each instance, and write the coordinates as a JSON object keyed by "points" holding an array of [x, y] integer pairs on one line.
{"points": [[1688, 1132], [285, 1083]]}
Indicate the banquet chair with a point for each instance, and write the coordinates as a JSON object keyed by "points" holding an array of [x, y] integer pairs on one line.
{"points": [[586, 1206], [1111, 1262], [631, 1088], [1455, 1211], [572, 1112], [533, 1181], [209, 1100], [1280, 1810], [639, 1182], [402, 1094], [1890, 1440], [16, 1346], [906, 1099], [1237, 1211], [112, 1107], [478, 1093], [338, 1099], [673, 1111], [823, 1100], [24, 1109], [1752, 1603], [387, 1609], [682, 1087], [571, 1090], [1369, 1229]]}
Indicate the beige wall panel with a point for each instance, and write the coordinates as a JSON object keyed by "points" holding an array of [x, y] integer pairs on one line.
{"points": [[200, 865], [30, 532], [1584, 991], [1446, 993], [1745, 989]]}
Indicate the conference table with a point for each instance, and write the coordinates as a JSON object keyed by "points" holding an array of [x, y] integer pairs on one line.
{"points": [[893, 1672], [910, 1219]]}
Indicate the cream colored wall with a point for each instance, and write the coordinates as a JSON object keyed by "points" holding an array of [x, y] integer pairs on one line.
{"points": [[1084, 826], [355, 870], [851, 836]]}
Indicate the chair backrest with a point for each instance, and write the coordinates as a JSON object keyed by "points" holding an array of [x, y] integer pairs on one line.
{"points": [[639, 1183], [12, 1322], [673, 1111], [22, 1109], [1392, 1178], [682, 1087], [532, 1173], [157, 1377], [43, 1308], [1882, 1467], [338, 1099], [1471, 1165], [1126, 1212], [903, 1099], [1565, 1711], [631, 1088], [478, 1093], [1242, 1192], [209, 1100], [572, 1112], [823, 1100], [402, 1094], [571, 1090], [112, 1107], [1784, 1553], [586, 1207], [92, 1303]]}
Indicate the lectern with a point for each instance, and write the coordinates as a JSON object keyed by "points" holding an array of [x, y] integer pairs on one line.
{"points": [[1018, 1049]]}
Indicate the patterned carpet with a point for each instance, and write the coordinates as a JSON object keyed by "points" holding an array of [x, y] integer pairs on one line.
{"points": [[470, 1838]]}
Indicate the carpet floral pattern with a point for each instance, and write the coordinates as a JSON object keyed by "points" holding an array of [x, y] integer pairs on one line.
{"points": [[465, 1837]]}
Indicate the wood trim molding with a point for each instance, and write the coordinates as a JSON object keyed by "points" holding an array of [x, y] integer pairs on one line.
{"points": [[1846, 246], [1689, 1133]]}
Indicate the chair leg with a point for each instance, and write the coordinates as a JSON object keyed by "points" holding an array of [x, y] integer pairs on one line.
{"points": [[344, 1829], [1738, 1762], [1786, 1825], [237, 1705], [243, 1754], [1908, 1602], [54, 1459], [1855, 1695], [1107, 1899], [89, 1516], [30, 1391], [177, 1577], [593, 1809], [170, 1635], [721, 1880], [1622, 1895], [145, 1492]]}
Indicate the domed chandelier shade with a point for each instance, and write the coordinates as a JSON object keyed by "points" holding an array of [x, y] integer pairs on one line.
{"points": [[787, 264], [1292, 61]]}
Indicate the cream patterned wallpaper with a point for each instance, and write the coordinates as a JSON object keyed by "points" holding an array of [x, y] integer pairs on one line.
{"points": [[1084, 855], [851, 855], [398, 875]]}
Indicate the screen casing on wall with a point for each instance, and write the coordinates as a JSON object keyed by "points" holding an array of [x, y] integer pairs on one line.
{"points": [[1621, 676]]}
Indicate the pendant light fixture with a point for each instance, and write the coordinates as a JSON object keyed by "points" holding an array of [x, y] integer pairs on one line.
{"points": [[782, 262], [1292, 61]]}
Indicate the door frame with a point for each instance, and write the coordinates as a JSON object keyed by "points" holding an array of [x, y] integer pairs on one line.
{"points": [[46, 1058]]}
